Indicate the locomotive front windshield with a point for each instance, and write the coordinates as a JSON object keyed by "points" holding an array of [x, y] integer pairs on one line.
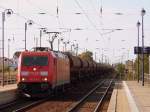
{"points": [[35, 61]]}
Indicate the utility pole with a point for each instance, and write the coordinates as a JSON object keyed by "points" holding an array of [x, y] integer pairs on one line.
{"points": [[58, 44], [102, 57], [41, 31], [95, 56], [72, 46], [40, 38], [77, 49], [36, 42], [25, 37]]}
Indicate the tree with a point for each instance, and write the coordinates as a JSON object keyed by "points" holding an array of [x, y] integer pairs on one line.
{"points": [[120, 68], [86, 55], [146, 64]]}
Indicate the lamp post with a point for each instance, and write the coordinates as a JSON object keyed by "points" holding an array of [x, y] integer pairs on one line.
{"points": [[59, 41], [8, 12], [65, 46], [72, 46], [95, 56], [29, 22], [77, 47], [138, 26], [41, 31], [99, 53], [58, 44], [8, 59], [142, 14], [102, 55]]}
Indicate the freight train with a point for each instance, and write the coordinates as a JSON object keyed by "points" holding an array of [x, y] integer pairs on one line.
{"points": [[42, 71]]}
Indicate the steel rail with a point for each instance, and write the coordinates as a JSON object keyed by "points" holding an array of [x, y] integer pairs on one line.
{"points": [[75, 106], [6, 105], [103, 97], [31, 105]]}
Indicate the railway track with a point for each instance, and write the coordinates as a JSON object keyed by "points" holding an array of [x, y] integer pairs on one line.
{"points": [[52, 100], [93, 100], [20, 105], [7, 105], [28, 104]]}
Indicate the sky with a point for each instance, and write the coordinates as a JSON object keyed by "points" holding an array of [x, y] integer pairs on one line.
{"points": [[98, 32]]}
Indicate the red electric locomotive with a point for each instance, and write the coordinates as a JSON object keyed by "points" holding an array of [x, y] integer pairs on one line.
{"points": [[42, 71]]}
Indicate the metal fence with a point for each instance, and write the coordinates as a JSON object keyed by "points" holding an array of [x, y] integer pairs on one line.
{"points": [[147, 77], [9, 78]]}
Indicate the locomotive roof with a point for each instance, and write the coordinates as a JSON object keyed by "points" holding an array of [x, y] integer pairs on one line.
{"points": [[33, 52], [40, 49], [55, 54]]}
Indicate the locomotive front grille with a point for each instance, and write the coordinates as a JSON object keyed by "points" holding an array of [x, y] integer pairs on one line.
{"points": [[33, 87]]}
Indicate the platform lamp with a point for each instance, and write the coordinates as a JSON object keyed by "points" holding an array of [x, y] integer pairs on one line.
{"points": [[29, 22], [138, 27], [7, 12], [72, 46], [41, 31], [59, 41], [142, 14]]}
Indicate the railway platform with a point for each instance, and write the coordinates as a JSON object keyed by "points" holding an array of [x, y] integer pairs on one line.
{"points": [[7, 93], [130, 96]]}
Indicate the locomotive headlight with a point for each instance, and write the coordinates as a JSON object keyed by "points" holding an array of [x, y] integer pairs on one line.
{"points": [[44, 73], [34, 69], [24, 73], [45, 79], [23, 79]]}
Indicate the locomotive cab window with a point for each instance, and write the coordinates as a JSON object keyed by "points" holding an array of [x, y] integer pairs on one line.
{"points": [[35, 61]]}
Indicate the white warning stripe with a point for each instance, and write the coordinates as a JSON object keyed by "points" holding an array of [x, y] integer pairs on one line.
{"points": [[131, 100]]}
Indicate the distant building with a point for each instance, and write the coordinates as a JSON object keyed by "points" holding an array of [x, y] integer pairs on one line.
{"points": [[15, 58], [130, 70], [129, 66], [7, 62]]}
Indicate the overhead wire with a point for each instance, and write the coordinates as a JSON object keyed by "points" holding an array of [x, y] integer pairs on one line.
{"points": [[23, 17], [60, 22], [33, 5], [95, 10], [76, 1]]}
